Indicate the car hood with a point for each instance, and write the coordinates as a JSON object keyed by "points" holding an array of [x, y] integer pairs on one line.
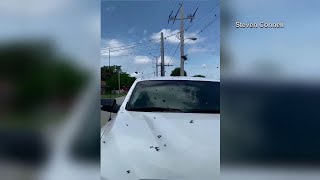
{"points": [[161, 145]]}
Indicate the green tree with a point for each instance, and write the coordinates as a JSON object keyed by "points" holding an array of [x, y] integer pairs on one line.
{"points": [[176, 72], [125, 81], [198, 75], [107, 72]]}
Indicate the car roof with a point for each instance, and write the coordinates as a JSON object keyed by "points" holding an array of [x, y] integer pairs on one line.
{"points": [[182, 78]]}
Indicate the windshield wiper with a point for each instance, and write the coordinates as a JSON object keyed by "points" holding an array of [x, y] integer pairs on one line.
{"points": [[155, 109]]}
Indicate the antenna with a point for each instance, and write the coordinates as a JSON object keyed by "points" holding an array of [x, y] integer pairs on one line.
{"points": [[194, 14], [195, 11], [170, 16], [175, 17], [183, 57]]}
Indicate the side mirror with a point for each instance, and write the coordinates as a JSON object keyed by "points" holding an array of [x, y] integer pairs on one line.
{"points": [[116, 108], [107, 104]]}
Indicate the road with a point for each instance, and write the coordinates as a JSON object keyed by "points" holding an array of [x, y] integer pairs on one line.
{"points": [[106, 115]]}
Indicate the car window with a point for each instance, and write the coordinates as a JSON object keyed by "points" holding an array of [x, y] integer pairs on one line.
{"points": [[175, 96]]}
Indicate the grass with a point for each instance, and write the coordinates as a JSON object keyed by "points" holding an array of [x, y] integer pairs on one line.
{"points": [[113, 95]]}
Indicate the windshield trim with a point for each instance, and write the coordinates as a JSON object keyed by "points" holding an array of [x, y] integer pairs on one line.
{"points": [[169, 110]]}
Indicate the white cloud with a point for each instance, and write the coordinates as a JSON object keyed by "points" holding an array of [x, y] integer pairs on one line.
{"points": [[204, 65], [172, 36], [142, 60], [134, 74], [167, 60], [113, 45], [194, 50], [167, 32]]}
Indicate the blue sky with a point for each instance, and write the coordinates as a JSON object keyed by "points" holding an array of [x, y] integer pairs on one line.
{"points": [[131, 22]]}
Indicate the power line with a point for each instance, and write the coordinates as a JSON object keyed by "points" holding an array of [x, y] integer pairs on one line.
{"points": [[208, 25], [171, 13], [182, 29], [205, 27], [134, 44], [195, 23], [171, 46], [202, 16], [174, 53], [151, 51], [119, 48], [138, 44], [154, 50], [195, 8], [211, 46], [124, 49], [197, 5], [135, 53]]}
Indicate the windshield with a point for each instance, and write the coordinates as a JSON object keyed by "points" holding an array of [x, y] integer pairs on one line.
{"points": [[175, 96]]}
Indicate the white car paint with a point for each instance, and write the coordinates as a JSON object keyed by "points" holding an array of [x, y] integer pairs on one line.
{"points": [[186, 150]]}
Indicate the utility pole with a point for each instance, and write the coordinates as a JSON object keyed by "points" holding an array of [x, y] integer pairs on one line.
{"points": [[191, 17], [119, 81], [153, 69], [118, 71], [181, 43], [162, 55], [109, 58], [157, 66]]}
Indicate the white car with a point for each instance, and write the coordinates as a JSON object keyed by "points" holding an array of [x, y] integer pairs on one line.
{"points": [[166, 128]]}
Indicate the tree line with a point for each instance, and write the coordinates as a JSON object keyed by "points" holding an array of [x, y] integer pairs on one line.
{"points": [[110, 76]]}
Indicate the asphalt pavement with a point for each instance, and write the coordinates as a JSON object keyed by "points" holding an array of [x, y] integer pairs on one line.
{"points": [[106, 115]]}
